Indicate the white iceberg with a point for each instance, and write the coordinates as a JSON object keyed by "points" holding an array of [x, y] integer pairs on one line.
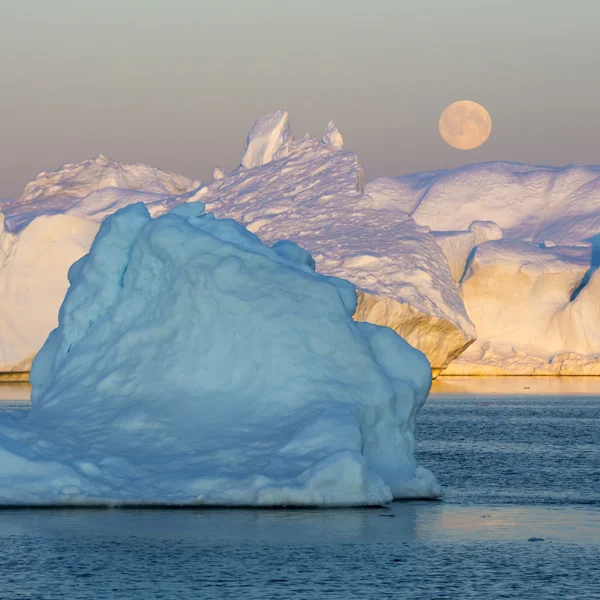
{"points": [[536, 309], [532, 294], [528, 202], [314, 195], [307, 191], [51, 226], [194, 365], [458, 246], [33, 282]]}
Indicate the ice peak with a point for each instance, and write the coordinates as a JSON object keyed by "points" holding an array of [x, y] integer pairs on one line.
{"points": [[333, 137], [102, 160], [267, 139]]}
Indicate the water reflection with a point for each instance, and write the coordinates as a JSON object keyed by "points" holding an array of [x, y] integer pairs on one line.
{"points": [[14, 396], [516, 386], [15, 391], [400, 522]]}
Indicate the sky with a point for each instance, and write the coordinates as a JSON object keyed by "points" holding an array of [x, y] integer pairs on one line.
{"points": [[177, 84]]}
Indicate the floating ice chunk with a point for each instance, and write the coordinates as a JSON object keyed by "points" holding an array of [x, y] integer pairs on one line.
{"points": [[535, 308], [218, 173], [95, 188]]}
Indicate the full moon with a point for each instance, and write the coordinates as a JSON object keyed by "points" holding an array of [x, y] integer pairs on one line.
{"points": [[465, 125]]}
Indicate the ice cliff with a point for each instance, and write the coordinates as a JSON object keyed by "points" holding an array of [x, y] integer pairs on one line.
{"points": [[33, 281], [522, 242], [51, 226], [193, 364]]}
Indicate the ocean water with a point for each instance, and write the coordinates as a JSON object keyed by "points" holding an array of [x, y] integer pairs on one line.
{"points": [[521, 519]]}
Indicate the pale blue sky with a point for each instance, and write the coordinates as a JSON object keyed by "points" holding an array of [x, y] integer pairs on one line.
{"points": [[178, 83]]}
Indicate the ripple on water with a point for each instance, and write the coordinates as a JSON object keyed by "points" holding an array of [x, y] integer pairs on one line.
{"points": [[513, 450], [428, 550], [520, 520]]}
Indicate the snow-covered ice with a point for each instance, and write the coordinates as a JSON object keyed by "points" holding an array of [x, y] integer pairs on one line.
{"points": [[307, 191], [96, 188], [527, 277], [536, 309], [528, 202], [314, 195], [442, 257], [458, 245], [193, 364], [333, 137], [268, 139]]}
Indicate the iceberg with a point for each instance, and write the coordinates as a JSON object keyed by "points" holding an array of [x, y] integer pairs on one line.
{"points": [[314, 194], [522, 244], [51, 226], [308, 191], [536, 310], [33, 282], [487, 269], [194, 365], [528, 202]]}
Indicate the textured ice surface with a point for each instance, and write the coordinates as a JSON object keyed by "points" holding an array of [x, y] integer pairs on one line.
{"points": [[267, 139], [459, 245], [333, 137], [95, 188], [307, 191], [314, 196], [528, 202], [533, 295], [415, 246], [536, 310], [194, 365]]}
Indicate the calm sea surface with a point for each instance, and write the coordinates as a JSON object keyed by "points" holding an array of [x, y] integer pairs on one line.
{"points": [[520, 462]]}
